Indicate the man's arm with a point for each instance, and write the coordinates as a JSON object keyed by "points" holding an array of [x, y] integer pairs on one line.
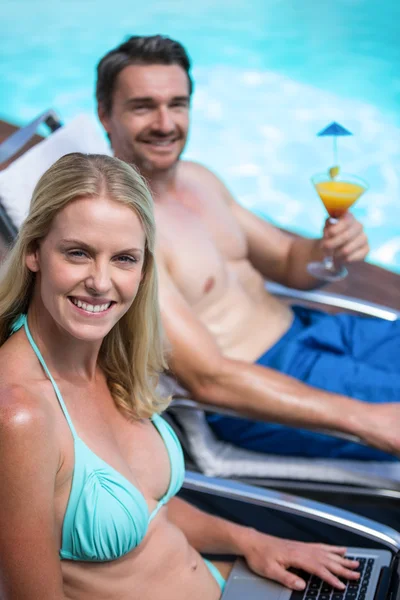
{"points": [[283, 257], [259, 392]]}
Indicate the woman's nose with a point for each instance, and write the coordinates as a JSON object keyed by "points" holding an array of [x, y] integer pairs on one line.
{"points": [[99, 279]]}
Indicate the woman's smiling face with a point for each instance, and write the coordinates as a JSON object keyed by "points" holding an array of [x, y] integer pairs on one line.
{"points": [[89, 266]]}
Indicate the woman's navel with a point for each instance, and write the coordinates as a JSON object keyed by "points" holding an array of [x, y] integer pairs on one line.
{"points": [[209, 285]]}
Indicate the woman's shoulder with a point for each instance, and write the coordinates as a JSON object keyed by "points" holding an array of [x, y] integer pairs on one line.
{"points": [[30, 456], [22, 405], [23, 410], [16, 361]]}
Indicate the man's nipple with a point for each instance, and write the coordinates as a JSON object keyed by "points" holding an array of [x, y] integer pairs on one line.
{"points": [[209, 285]]}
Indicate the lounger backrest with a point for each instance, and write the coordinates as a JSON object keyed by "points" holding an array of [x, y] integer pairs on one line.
{"points": [[17, 182]]}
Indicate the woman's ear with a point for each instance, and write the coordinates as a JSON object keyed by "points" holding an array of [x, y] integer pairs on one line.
{"points": [[32, 259]]}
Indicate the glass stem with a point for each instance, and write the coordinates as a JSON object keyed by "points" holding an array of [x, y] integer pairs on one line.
{"points": [[328, 260], [328, 263]]}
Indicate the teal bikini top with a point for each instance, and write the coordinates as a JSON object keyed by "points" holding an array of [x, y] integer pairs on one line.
{"points": [[106, 516]]}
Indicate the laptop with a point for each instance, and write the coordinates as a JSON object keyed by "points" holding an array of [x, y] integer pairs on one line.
{"points": [[379, 580]]}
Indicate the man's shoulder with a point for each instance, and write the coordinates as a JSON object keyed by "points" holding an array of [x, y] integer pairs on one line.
{"points": [[197, 176], [191, 168]]}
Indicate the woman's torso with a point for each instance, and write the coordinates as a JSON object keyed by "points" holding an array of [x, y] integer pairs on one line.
{"points": [[163, 565]]}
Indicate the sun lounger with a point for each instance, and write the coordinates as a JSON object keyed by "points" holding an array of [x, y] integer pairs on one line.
{"points": [[304, 519], [19, 179]]}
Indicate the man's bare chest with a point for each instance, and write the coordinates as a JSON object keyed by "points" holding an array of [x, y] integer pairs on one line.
{"points": [[199, 244]]}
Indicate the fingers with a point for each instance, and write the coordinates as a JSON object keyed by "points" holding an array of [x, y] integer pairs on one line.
{"points": [[346, 239], [330, 578], [344, 569], [329, 571], [274, 557], [328, 563], [290, 580], [340, 225], [345, 562], [341, 550], [333, 566], [353, 252], [355, 248], [336, 236]]}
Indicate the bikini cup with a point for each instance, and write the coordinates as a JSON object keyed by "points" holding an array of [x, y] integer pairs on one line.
{"points": [[106, 515]]}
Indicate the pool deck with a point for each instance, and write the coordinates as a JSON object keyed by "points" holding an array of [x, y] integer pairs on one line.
{"points": [[365, 281]]}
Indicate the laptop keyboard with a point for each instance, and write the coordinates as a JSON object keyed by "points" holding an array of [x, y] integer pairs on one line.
{"points": [[317, 589]]}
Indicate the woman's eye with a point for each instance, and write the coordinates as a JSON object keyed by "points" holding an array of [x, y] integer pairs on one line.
{"points": [[129, 260], [77, 254]]}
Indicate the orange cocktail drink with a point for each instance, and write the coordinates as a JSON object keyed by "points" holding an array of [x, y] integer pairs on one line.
{"points": [[338, 191], [338, 196]]}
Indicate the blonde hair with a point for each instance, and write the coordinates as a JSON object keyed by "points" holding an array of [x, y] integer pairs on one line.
{"points": [[131, 354]]}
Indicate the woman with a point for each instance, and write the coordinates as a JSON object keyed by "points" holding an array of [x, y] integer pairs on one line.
{"points": [[87, 465]]}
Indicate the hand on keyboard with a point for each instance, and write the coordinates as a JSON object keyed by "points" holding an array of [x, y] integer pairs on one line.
{"points": [[355, 589], [272, 557]]}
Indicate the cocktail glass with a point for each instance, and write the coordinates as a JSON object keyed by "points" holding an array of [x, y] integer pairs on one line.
{"points": [[338, 193]]}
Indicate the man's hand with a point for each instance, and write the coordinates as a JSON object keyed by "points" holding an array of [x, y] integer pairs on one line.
{"points": [[271, 557], [346, 240]]}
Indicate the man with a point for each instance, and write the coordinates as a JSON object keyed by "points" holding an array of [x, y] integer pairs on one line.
{"points": [[232, 344]]}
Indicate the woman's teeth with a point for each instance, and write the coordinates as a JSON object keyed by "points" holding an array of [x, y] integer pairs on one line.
{"points": [[95, 308]]}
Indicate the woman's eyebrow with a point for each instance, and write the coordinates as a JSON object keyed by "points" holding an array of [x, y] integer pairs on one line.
{"points": [[86, 246], [75, 242], [131, 251]]}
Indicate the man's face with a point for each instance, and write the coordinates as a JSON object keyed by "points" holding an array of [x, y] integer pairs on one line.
{"points": [[149, 119]]}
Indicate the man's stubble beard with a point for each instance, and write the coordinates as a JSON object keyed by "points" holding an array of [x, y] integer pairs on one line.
{"points": [[149, 170], [145, 166]]}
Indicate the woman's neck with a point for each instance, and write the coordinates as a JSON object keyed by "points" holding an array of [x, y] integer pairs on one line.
{"points": [[65, 356]]}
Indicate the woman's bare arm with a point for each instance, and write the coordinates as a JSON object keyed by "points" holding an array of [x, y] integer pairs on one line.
{"points": [[206, 533], [266, 555], [29, 460]]}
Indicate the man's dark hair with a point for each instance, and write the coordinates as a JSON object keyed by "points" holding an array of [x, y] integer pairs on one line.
{"points": [[138, 50]]}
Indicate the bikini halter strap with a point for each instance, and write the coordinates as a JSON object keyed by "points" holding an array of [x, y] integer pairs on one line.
{"points": [[22, 321]]}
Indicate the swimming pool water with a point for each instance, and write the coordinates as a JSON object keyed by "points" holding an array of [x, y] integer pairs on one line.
{"points": [[268, 76]]}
